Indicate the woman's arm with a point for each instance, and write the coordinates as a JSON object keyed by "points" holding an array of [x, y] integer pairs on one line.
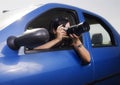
{"points": [[60, 33], [79, 47], [48, 44]]}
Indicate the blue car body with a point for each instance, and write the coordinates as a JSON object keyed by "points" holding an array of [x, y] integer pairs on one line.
{"points": [[60, 66]]}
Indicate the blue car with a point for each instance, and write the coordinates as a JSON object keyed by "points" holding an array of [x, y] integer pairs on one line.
{"points": [[60, 66]]}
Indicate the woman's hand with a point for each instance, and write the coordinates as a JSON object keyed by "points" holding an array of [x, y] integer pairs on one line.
{"points": [[76, 40], [60, 32]]}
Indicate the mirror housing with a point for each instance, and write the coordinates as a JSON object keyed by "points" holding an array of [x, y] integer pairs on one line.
{"points": [[30, 39]]}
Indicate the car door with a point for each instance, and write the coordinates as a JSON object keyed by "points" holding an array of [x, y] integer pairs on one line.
{"points": [[54, 66], [105, 50]]}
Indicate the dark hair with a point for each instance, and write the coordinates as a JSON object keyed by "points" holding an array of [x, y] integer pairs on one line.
{"points": [[58, 21]]}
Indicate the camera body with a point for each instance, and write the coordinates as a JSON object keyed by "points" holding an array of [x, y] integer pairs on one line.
{"points": [[78, 29]]}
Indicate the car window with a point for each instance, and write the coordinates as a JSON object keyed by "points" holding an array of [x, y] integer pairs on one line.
{"points": [[43, 21], [100, 34]]}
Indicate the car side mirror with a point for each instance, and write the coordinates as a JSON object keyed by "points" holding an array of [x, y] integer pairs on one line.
{"points": [[97, 39], [30, 39]]}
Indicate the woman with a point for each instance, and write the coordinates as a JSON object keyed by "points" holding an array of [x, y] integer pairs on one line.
{"points": [[58, 30]]}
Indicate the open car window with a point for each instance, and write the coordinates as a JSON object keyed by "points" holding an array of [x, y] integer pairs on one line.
{"points": [[44, 19]]}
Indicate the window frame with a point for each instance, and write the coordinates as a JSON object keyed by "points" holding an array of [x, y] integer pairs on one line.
{"points": [[72, 13], [106, 28]]}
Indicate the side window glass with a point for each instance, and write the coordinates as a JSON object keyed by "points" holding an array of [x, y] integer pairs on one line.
{"points": [[100, 34]]}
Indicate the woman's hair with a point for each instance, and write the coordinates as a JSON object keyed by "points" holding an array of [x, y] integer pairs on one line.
{"points": [[56, 22]]}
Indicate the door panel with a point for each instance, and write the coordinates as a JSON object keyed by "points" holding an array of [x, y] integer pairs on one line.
{"points": [[105, 50], [55, 67]]}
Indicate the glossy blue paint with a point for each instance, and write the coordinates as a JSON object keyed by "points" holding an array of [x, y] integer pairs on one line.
{"points": [[61, 67]]}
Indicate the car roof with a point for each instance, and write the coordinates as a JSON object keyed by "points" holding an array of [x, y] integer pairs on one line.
{"points": [[9, 16]]}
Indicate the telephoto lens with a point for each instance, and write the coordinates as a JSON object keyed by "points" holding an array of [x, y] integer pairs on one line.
{"points": [[78, 29]]}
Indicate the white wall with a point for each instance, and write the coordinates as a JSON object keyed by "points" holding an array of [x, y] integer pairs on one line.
{"points": [[109, 9]]}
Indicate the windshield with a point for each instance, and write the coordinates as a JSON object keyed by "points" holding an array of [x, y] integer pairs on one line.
{"points": [[9, 17]]}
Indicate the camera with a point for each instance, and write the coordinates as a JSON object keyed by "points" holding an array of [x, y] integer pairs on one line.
{"points": [[78, 29]]}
